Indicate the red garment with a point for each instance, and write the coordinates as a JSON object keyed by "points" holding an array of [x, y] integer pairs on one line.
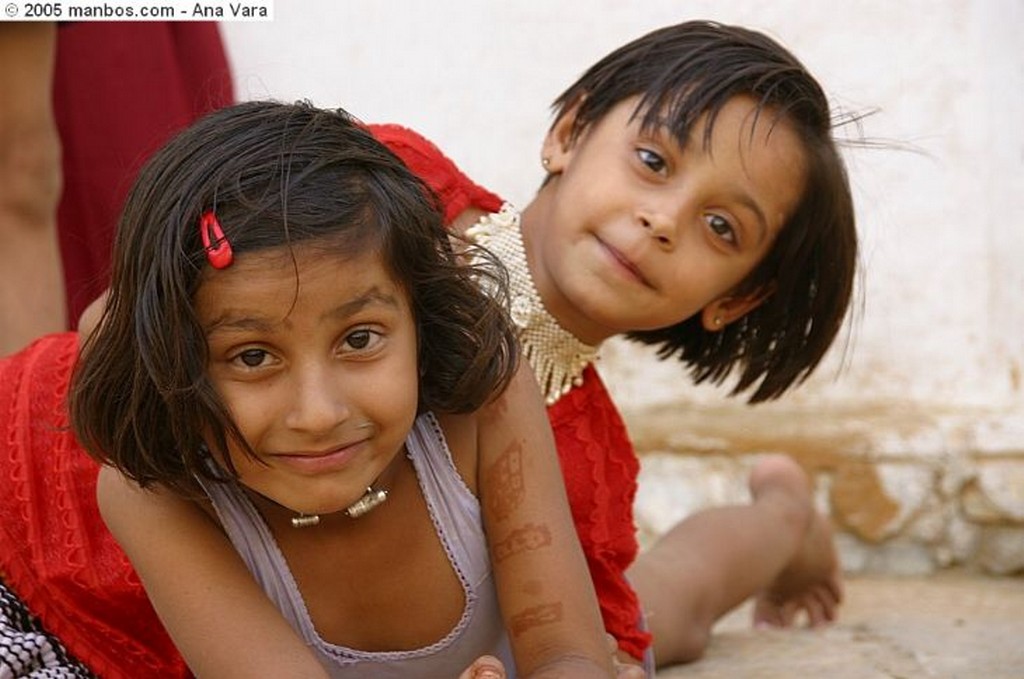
{"points": [[55, 551], [598, 461], [120, 91]]}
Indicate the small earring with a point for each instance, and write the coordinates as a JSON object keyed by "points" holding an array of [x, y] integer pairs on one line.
{"points": [[718, 321], [545, 161]]}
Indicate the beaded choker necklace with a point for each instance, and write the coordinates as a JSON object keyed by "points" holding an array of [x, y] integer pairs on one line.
{"points": [[557, 356]]}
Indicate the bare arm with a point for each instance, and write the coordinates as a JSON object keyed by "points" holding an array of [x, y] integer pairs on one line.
{"points": [[200, 587], [547, 598], [31, 278]]}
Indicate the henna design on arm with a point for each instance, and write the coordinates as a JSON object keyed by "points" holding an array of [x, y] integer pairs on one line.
{"points": [[530, 537], [505, 482], [536, 616]]}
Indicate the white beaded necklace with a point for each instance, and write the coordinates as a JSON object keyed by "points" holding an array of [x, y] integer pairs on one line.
{"points": [[557, 356]]}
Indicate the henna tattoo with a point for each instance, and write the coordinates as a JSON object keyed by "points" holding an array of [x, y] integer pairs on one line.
{"points": [[526, 539], [536, 616], [505, 487]]}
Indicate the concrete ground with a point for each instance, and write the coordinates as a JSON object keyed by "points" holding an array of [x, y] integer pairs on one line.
{"points": [[947, 626]]}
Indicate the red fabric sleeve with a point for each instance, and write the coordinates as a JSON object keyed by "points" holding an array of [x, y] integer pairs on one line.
{"points": [[456, 191], [55, 551]]}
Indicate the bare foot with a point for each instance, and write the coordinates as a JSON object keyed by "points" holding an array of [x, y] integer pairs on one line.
{"points": [[810, 582]]}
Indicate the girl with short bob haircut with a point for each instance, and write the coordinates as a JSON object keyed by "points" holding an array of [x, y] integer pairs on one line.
{"points": [[684, 74]]}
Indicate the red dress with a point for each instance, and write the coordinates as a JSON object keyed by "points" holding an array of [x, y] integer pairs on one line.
{"points": [[598, 461], [55, 551], [120, 91]]}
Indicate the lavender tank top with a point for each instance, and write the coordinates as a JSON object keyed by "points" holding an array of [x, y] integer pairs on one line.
{"points": [[455, 512]]}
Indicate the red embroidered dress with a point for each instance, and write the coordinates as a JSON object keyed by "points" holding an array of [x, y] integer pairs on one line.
{"points": [[55, 551]]}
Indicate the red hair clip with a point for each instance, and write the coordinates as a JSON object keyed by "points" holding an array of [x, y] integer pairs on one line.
{"points": [[218, 249]]}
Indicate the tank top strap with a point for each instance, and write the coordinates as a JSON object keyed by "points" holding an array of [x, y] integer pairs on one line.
{"points": [[453, 507], [254, 542]]}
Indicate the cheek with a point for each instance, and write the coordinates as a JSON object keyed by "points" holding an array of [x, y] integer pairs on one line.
{"points": [[249, 407], [255, 410], [406, 379], [393, 388]]}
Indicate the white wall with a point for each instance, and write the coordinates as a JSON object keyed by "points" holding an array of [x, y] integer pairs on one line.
{"points": [[942, 317]]}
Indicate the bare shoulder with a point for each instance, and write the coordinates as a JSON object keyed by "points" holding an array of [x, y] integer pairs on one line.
{"points": [[128, 509], [474, 438]]}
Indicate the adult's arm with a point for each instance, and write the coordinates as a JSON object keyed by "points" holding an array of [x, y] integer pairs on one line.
{"points": [[31, 276]]}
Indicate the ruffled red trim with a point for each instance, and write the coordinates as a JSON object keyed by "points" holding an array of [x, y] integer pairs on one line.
{"points": [[600, 470], [55, 551], [456, 191]]}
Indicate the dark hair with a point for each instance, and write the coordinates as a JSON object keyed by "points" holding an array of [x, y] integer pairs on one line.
{"points": [[683, 72], [276, 175]]}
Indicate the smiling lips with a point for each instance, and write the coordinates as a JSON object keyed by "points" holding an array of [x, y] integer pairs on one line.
{"points": [[322, 461], [630, 268]]}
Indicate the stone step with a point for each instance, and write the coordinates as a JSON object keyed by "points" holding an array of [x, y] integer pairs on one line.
{"points": [[951, 625]]}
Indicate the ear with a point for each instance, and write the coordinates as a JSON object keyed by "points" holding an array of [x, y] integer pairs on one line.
{"points": [[558, 144], [725, 310]]}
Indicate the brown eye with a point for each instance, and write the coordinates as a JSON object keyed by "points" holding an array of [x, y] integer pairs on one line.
{"points": [[252, 358], [721, 227], [362, 343], [360, 339], [652, 160]]}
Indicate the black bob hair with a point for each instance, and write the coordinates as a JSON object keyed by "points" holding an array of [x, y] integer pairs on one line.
{"points": [[686, 71]]}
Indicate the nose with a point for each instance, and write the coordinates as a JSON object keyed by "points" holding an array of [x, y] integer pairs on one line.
{"points": [[318, 401], [661, 218], [660, 231]]}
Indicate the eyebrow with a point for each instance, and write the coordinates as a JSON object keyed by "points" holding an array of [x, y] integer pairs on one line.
{"points": [[762, 221], [234, 321], [354, 306]]}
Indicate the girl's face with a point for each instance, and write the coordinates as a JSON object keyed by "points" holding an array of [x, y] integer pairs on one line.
{"points": [[641, 233], [319, 372]]}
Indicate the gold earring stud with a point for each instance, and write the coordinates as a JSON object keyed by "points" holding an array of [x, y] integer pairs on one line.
{"points": [[718, 321]]}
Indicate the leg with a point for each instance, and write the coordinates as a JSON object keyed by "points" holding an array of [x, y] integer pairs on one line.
{"points": [[777, 548]]}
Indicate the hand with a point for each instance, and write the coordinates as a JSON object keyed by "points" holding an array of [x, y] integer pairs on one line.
{"points": [[484, 667], [624, 669], [628, 670]]}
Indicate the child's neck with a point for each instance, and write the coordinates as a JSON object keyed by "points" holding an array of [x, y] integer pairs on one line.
{"points": [[535, 220], [280, 518]]}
